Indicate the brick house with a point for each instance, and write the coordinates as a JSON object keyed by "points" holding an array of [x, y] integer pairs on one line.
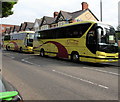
{"points": [[43, 23], [63, 17], [77, 16], [15, 29], [46, 22], [3, 28], [37, 24], [7, 31], [26, 26]]}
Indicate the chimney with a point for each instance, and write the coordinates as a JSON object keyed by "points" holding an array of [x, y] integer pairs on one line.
{"points": [[55, 14], [84, 6]]}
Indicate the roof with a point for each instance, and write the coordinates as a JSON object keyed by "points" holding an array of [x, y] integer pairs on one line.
{"points": [[29, 25], [73, 15], [77, 13], [39, 21], [22, 27], [66, 15], [16, 28], [12, 29], [26, 25], [47, 20]]}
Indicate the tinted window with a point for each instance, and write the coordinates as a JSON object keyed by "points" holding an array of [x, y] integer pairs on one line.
{"points": [[73, 31], [6, 37], [20, 36]]}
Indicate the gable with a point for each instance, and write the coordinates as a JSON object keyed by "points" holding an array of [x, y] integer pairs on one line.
{"points": [[44, 22], [60, 18], [36, 24], [86, 16]]}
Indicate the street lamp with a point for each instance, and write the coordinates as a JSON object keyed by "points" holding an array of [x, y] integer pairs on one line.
{"points": [[101, 10]]}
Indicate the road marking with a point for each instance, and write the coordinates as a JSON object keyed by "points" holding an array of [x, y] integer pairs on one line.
{"points": [[9, 55], [12, 57], [25, 60], [102, 71], [84, 80]]}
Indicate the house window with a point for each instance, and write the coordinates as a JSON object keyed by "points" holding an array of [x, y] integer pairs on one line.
{"points": [[61, 23], [44, 27], [37, 29], [2, 28]]}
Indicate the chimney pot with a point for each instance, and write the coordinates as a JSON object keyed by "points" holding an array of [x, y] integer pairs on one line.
{"points": [[84, 6], [55, 14]]}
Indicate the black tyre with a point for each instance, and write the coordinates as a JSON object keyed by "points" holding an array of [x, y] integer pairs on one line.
{"points": [[75, 57], [21, 49], [7, 48], [42, 52]]}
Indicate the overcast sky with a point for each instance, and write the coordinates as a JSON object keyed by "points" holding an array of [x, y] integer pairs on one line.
{"points": [[29, 10]]}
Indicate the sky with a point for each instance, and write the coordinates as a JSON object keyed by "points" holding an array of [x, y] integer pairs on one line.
{"points": [[29, 10], [119, 13]]}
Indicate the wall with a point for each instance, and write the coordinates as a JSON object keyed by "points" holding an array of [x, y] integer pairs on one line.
{"points": [[86, 16], [4, 26]]}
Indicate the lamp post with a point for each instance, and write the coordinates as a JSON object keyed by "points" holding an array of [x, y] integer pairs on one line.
{"points": [[101, 10]]}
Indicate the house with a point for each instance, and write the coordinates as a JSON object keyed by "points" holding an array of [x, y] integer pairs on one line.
{"points": [[11, 30], [26, 26], [63, 17], [3, 28], [22, 27], [37, 24], [29, 26], [46, 22], [7, 31], [77, 16], [15, 29], [43, 23]]}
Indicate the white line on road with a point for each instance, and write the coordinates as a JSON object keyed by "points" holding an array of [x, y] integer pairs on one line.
{"points": [[10, 56], [102, 71], [84, 80], [25, 60]]}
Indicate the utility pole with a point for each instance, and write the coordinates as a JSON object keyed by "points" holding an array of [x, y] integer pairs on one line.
{"points": [[101, 10]]}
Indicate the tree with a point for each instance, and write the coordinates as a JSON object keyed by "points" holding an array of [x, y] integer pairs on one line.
{"points": [[7, 8]]}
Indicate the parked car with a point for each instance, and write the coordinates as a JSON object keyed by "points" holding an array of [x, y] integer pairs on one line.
{"points": [[8, 92]]}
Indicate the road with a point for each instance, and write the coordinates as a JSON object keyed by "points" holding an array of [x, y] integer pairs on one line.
{"points": [[44, 78]]}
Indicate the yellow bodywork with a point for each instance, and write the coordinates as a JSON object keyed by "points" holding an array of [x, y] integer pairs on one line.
{"points": [[73, 45], [18, 45]]}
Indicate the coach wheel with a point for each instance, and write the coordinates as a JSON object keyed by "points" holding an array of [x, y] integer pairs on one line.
{"points": [[21, 49], [42, 53], [7, 48], [75, 57]]}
